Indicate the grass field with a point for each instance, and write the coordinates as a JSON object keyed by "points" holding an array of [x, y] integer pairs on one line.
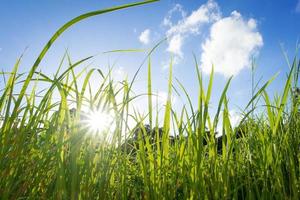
{"points": [[48, 152]]}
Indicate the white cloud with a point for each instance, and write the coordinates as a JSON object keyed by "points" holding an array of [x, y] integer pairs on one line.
{"points": [[234, 117], [298, 7], [176, 9], [175, 44], [205, 14], [145, 36], [231, 44]]}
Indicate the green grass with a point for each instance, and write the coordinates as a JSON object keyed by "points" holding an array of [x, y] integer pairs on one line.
{"points": [[48, 153]]}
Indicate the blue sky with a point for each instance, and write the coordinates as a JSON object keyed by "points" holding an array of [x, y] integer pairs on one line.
{"points": [[227, 33]]}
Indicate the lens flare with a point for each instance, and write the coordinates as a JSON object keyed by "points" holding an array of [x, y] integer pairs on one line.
{"points": [[99, 121]]}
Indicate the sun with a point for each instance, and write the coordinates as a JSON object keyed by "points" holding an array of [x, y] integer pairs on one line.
{"points": [[99, 121]]}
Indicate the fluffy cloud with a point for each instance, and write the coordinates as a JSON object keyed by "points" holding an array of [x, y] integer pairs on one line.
{"points": [[231, 44], [191, 24], [145, 36], [175, 44], [176, 9], [207, 13], [234, 117]]}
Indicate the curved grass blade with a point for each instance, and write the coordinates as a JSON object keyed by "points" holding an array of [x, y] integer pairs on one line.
{"points": [[56, 36]]}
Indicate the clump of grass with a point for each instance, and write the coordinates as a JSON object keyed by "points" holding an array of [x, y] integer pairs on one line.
{"points": [[47, 152]]}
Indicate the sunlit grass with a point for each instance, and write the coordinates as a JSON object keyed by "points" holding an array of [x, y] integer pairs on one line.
{"points": [[49, 152]]}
